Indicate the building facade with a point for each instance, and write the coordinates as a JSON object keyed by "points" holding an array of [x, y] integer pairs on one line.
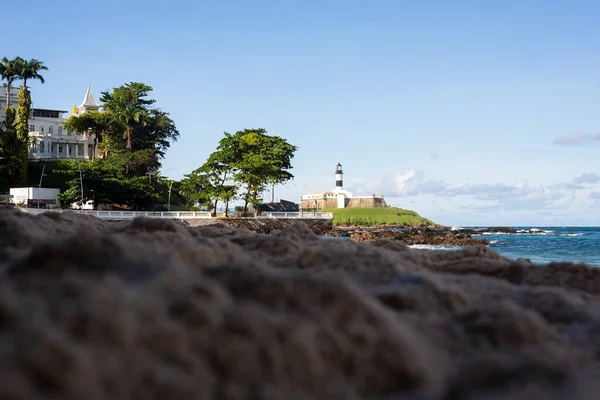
{"points": [[51, 141], [14, 98], [338, 197]]}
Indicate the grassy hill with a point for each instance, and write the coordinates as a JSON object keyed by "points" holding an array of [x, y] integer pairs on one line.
{"points": [[376, 216]]}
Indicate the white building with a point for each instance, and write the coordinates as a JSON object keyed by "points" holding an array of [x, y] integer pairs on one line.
{"points": [[35, 197], [14, 98], [49, 139]]}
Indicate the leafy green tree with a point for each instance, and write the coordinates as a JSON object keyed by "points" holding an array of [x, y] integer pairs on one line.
{"points": [[249, 160], [261, 160], [10, 163], [21, 150], [135, 124], [199, 190], [105, 182], [93, 122]]}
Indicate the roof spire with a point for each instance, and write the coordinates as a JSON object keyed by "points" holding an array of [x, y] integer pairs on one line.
{"points": [[89, 103]]}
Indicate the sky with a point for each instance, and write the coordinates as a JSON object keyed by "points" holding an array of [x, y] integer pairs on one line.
{"points": [[468, 112]]}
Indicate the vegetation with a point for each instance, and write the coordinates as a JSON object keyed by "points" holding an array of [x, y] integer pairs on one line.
{"points": [[376, 216], [14, 129], [133, 137], [104, 182], [243, 166]]}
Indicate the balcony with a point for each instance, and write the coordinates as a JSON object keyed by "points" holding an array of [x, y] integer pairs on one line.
{"points": [[62, 137]]}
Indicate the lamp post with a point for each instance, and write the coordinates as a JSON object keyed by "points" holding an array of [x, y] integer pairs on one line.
{"points": [[40, 185], [169, 202], [81, 184]]}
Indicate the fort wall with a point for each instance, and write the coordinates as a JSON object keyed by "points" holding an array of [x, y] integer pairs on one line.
{"points": [[354, 202]]}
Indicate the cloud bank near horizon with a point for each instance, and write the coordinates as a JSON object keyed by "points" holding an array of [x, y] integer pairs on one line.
{"points": [[577, 139], [486, 197]]}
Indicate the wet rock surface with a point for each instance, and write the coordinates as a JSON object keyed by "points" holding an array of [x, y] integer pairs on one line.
{"points": [[153, 309]]}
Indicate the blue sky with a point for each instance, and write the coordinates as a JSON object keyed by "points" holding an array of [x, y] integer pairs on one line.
{"points": [[469, 112]]}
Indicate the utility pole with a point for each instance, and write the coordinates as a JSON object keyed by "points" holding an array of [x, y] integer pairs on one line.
{"points": [[81, 183], [40, 185], [170, 185]]}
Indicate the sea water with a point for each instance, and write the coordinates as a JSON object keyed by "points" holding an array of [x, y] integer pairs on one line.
{"points": [[541, 244], [547, 244]]}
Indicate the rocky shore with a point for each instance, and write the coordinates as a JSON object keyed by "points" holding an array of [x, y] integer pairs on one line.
{"points": [[428, 235], [437, 235], [410, 236]]}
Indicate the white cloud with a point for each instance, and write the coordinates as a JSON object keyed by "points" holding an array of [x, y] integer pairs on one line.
{"points": [[405, 182], [480, 197], [575, 139], [588, 178]]}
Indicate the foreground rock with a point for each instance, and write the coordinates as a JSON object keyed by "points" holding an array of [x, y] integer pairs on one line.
{"points": [[151, 309], [266, 225]]}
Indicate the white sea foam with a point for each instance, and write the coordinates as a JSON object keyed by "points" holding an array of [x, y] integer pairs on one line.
{"points": [[434, 247]]}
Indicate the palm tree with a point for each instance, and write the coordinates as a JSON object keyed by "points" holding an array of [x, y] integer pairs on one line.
{"points": [[30, 70], [10, 71], [125, 110], [129, 115]]}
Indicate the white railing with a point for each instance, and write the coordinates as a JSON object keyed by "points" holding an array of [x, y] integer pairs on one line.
{"points": [[297, 215], [129, 214], [120, 215]]}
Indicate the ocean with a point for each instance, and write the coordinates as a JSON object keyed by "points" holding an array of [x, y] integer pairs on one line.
{"points": [[544, 244]]}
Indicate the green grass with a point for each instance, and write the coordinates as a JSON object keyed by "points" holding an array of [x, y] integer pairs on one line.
{"points": [[376, 216]]}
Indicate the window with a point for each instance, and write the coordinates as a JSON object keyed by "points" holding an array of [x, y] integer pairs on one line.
{"points": [[60, 128], [60, 148], [51, 129], [41, 147], [42, 128], [31, 128]]}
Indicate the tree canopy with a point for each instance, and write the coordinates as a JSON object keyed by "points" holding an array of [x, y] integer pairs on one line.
{"points": [[245, 162], [133, 137]]}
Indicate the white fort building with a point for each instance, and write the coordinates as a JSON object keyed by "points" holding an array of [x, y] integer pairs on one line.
{"points": [[338, 197], [49, 139]]}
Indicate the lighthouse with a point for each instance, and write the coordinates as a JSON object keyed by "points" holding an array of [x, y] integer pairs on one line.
{"points": [[339, 185]]}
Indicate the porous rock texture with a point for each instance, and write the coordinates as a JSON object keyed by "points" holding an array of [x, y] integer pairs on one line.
{"points": [[151, 309]]}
